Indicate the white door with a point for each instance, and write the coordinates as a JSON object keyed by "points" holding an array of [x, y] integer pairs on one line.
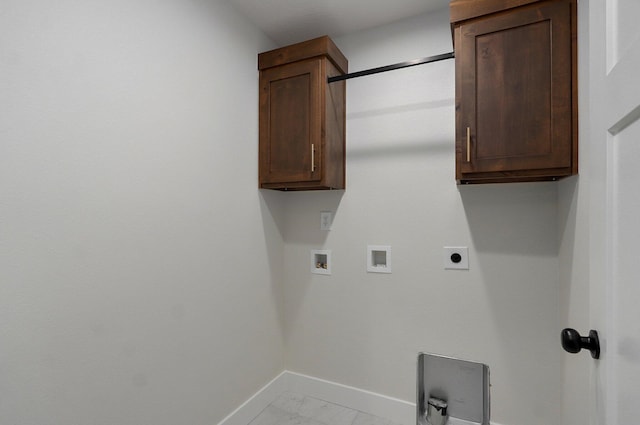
{"points": [[614, 162]]}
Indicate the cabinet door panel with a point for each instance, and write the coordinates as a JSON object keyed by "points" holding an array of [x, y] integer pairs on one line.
{"points": [[515, 90], [290, 125]]}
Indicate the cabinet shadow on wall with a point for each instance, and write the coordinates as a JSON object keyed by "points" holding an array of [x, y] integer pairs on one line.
{"points": [[432, 148], [296, 214], [513, 218], [272, 212], [411, 107], [401, 130]]}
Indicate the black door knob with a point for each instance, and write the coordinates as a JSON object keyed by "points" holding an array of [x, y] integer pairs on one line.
{"points": [[572, 342]]}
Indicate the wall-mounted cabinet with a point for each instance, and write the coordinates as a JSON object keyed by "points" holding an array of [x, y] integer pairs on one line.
{"points": [[516, 90], [302, 117]]}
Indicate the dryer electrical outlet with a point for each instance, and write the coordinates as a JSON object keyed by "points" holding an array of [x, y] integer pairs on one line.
{"points": [[456, 258]]}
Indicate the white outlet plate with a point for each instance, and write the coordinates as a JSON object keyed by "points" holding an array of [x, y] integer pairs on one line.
{"points": [[326, 219], [449, 251]]}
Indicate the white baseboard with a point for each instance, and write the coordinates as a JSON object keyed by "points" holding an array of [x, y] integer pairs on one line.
{"points": [[398, 411], [257, 403]]}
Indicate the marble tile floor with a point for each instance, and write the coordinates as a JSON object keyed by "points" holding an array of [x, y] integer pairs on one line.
{"points": [[297, 409]]}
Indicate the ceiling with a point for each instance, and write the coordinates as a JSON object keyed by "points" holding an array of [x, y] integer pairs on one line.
{"points": [[291, 21]]}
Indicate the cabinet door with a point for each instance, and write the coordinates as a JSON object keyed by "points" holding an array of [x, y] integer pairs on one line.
{"points": [[514, 92], [290, 123]]}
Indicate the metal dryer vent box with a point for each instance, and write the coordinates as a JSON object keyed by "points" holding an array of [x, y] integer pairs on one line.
{"points": [[463, 385]]}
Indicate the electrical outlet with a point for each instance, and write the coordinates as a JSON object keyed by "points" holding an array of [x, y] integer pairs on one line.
{"points": [[456, 258], [326, 218]]}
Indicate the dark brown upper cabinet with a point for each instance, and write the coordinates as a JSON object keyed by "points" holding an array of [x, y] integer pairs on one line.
{"points": [[302, 117], [516, 90]]}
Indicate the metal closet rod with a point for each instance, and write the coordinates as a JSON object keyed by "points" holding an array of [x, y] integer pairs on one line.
{"points": [[406, 64]]}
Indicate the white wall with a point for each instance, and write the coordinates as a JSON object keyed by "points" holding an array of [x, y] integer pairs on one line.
{"points": [[365, 330], [574, 246], [574, 295], [140, 267]]}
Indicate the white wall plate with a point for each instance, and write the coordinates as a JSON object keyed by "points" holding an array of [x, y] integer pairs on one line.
{"points": [[456, 257], [378, 258], [321, 261]]}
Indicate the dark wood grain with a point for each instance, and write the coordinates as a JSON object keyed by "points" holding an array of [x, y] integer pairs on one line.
{"points": [[300, 112], [515, 91], [462, 10], [321, 46]]}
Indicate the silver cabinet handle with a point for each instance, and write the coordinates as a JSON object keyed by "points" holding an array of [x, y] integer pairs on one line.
{"points": [[468, 144]]}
